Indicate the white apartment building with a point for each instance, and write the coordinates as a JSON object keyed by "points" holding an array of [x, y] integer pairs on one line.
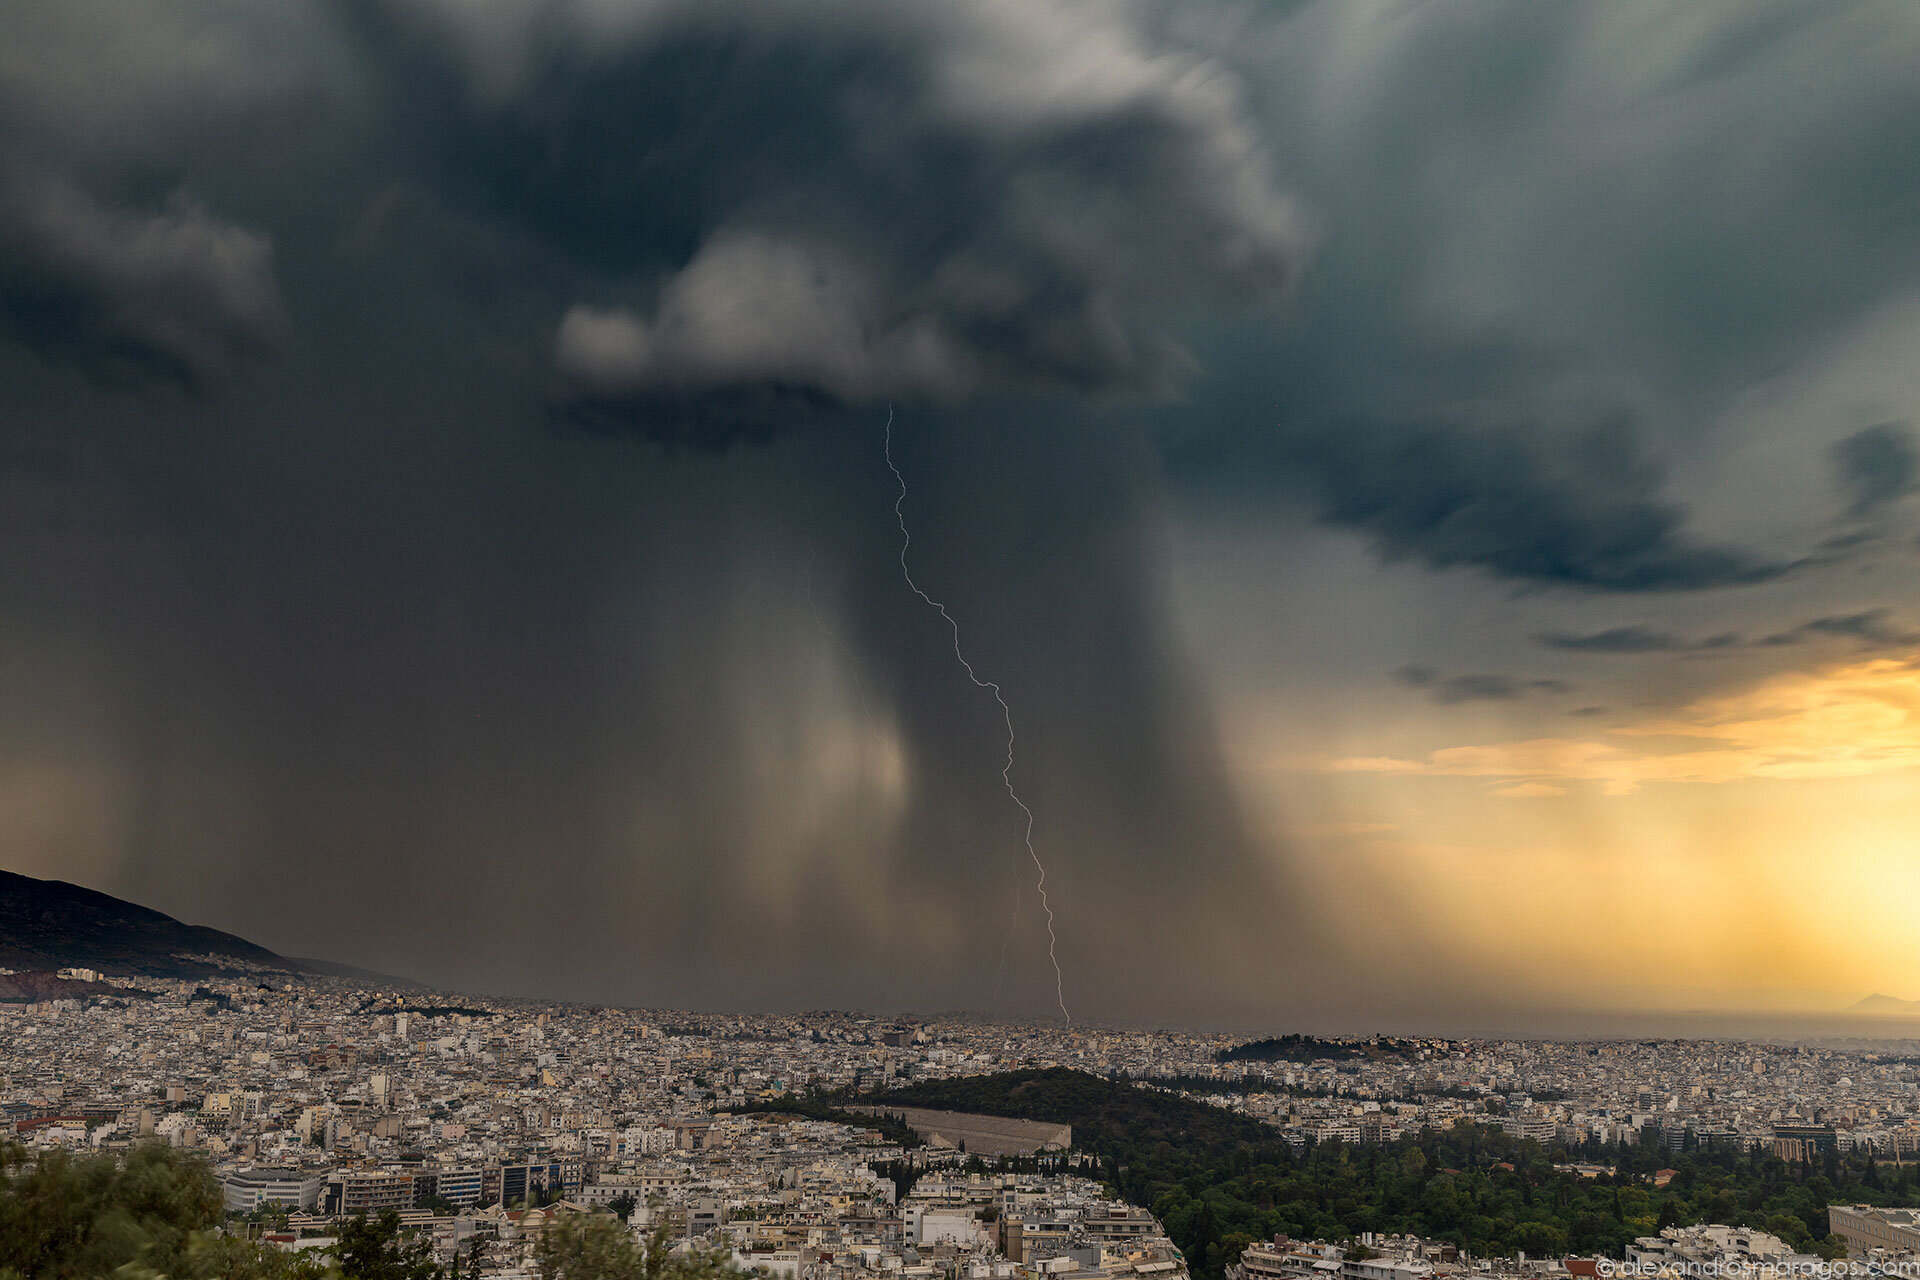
{"points": [[248, 1189]]}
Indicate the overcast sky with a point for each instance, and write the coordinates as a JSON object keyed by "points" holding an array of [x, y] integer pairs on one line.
{"points": [[1434, 484]]}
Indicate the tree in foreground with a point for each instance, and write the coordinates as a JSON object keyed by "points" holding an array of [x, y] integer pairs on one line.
{"points": [[154, 1213], [374, 1249], [595, 1246]]}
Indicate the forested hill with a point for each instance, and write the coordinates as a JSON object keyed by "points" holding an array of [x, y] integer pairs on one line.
{"points": [[1298, 1048], [1219, 1181], [1114, 1119]]}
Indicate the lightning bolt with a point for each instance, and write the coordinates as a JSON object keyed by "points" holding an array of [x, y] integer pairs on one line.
{"points": [[1006, 713]]}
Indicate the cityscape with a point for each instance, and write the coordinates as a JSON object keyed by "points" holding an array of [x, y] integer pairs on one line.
{"points": [[476, 1121]]}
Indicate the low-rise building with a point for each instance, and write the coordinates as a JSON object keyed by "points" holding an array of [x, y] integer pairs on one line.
{"points": [[245, 1190]]}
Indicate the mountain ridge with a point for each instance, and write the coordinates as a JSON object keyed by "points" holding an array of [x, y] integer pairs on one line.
{"points": [[53, 924]]}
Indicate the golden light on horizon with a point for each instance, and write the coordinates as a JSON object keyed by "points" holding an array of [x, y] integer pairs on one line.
{"points": [[1758, 849]]}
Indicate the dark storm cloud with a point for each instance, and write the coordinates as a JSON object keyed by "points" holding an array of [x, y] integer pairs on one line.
{"points": [[1532, 216], [1589, 515], [1485, 687], [783, 206], [561, 696], [1877, 465], [169, 295], [547, 711]]}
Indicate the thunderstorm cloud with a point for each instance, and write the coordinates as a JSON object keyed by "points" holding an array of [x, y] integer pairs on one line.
{"points": [[847, 202], [1242, 355]]}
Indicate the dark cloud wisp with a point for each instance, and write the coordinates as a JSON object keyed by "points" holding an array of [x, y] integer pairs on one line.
{"points": [[1877, 465], [1873, 628], [1633, 638], [1589, 516], [170, 296], [1480, 687]]}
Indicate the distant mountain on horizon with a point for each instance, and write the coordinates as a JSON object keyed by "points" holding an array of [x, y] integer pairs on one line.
{"points": [[1885, 1004], [51, 924]]}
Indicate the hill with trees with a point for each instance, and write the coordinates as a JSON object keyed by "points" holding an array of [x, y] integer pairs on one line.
{"points": [[1219, 1181], [1298, 1048], [1109, 1117]]}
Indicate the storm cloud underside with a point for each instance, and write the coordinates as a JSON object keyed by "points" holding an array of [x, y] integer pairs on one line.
{"points": [[415, 418], [534, 708]]}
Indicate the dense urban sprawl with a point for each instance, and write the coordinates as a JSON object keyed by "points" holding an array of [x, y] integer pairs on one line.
{"points": [[479, 1121]]}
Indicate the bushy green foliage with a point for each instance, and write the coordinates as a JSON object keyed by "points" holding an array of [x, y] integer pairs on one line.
{"points": [[155, 1215], [595, 1246], [1298, 1048], [375, 1249], [1109, 1118], [1456, 1185], [815, 1105]]}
